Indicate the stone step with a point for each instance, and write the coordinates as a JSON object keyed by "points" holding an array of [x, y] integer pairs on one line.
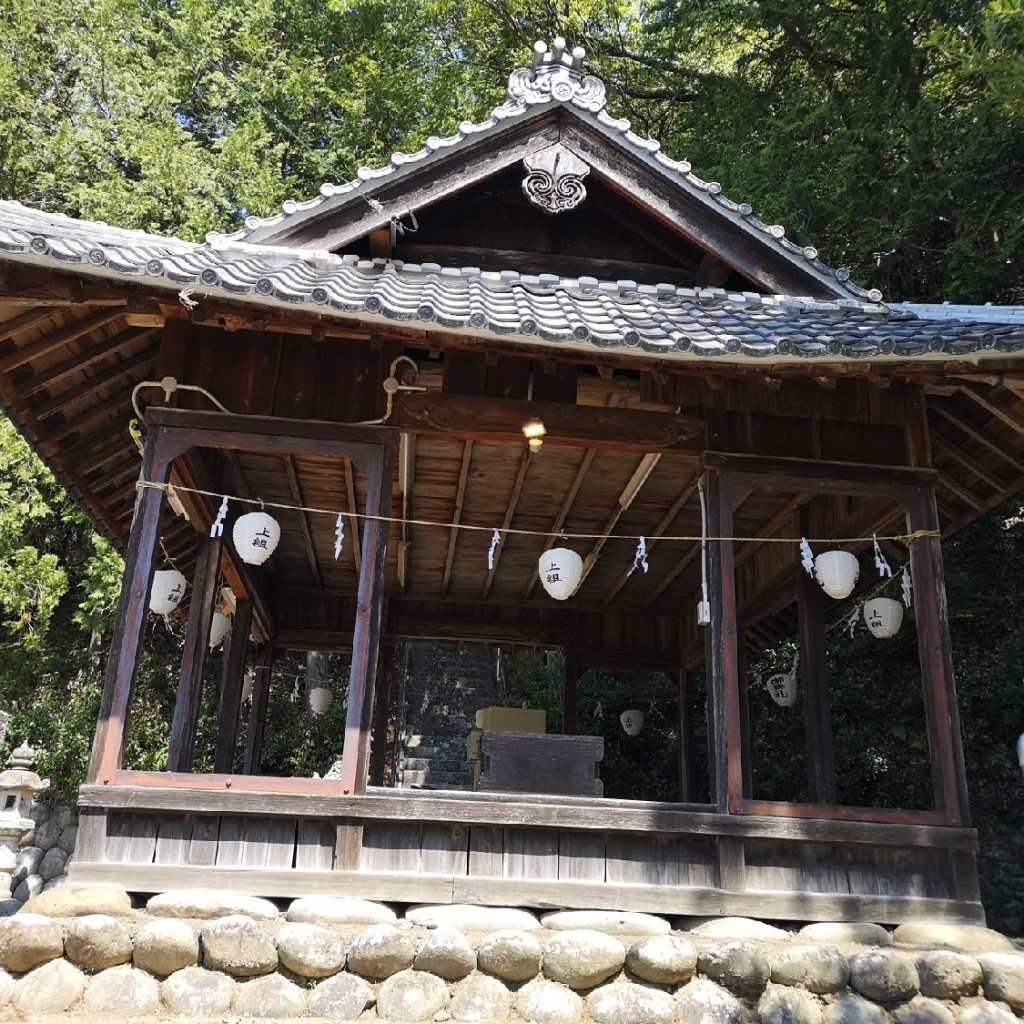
{"points": [[437, 780], [434, 724], [437, 764]]}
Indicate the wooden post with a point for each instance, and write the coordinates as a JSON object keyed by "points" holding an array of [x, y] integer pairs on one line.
{"points": [[939, 683], [821, 773], [231, 686], [381, 710], [258, 712], [366, 635], [727, 769], [743, 683], [126, 641], [181, 746], [687, 759], [570, 693]]}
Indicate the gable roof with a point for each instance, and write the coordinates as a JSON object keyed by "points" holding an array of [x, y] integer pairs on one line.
{"points": [[554, 81]]}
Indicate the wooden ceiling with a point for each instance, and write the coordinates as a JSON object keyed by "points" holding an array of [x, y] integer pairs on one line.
{"points": [[70, 358]]}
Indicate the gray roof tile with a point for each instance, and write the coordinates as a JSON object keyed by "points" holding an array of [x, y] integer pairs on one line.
{"points": [[684, 323]]}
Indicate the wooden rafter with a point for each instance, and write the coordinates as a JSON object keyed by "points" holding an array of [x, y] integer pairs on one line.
{"points": [[307, 534], [964, 494], [563, 511], [510, 511], [460, 497], [691, 553], [950, 451], [354, 523], [46, 379], [24, 322], [652, 539], [975, 434], [1000, 414], [115, 403], [62, 336], [90, 384], [625, 500]]}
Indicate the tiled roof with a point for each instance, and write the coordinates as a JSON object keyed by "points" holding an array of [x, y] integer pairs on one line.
{"points": [[662, 320], [555, 78]]}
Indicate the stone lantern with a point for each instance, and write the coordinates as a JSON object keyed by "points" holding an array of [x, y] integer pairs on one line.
{"points": [[19, 786]]}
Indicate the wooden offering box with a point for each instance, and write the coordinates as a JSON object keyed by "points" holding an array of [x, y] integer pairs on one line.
{"points": [[523, 762]]}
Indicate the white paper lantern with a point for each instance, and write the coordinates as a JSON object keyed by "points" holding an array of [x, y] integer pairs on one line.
{"points": [[320, 699], [883, 616], [632, 721], [782, 688], [167, 592], [255, 535], [837, 572], [219, 627], [560, 570]]}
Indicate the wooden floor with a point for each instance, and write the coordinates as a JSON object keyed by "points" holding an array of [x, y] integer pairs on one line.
{"points": [[525, 850]]}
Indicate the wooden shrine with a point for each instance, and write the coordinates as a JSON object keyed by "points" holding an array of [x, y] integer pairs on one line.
{"points": [[696, 375]]}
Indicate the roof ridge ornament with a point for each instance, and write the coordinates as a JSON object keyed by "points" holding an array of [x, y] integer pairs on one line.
{"points": [[556, 75]]}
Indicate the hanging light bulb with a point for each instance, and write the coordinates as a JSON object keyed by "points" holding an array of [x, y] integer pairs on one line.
{"points": [[167, 591], [534, 431]]}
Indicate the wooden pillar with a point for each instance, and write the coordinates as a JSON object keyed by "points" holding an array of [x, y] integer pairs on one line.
{"points": [[939, 683], [726, 769], [381, 710], [687, 758], [181, 746], [743, 682], [231, 686], [570, 694], [258, 712], [366, 635], [133, 607], [821, 773]]}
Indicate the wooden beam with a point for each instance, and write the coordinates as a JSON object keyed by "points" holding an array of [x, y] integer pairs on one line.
{"points": [[132, 609], [975, 435], [63, 336], [115, 403], [90, 384], [964, 494], [821, 774], [563, 511], [712, 272], [670, 577], [181, 746], [502, 419], [948, 449], [460, 496], [652, 539], [626, 498], [366, 635], [307, 535], [24, 322], [353, 522], [232, 678], [258, 711], [510, 511], [1002, 415]]}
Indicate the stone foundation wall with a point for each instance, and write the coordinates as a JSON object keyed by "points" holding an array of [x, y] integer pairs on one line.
{"points": [[85, 949]]}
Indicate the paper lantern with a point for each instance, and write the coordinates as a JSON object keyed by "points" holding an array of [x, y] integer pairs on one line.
{"points": [[320, 699], [782, 688], [167, 592], [883, 616], [560, 570], [837, 572], [632, 721], [255, 535], [219, 627]]}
